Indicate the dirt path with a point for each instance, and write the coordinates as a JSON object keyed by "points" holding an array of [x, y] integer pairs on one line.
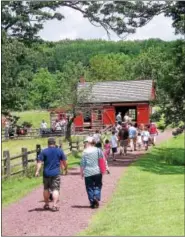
{"points": [[27, 218]]}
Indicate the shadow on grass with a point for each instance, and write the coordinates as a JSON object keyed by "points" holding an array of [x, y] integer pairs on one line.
{"points": [[158, 160], [163, 161]]}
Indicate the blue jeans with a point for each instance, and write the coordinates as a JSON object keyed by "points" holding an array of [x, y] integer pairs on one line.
{"points": [[93, 187]]}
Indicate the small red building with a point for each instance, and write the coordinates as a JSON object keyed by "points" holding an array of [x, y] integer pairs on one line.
{"points": [[105, 99]]}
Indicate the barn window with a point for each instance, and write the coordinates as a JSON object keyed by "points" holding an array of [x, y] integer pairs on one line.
{"points": [[87, 116], [132, 114]]}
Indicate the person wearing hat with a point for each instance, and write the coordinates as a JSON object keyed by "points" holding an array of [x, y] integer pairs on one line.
{"points": [[52, 158], [90, 170]]}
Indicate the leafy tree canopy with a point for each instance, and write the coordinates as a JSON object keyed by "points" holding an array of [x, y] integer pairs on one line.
{"points": [[24, 19]]}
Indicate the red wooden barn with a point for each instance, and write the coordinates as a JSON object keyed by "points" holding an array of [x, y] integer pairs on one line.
{"points": [[105, 99]]}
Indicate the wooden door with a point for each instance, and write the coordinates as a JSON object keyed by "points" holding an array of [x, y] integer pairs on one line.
{"points": [[78, 122], [143, 114], [109, 117]]}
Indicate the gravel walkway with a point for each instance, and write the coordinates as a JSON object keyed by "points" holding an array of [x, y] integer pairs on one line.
{"points": [[27, 217]]}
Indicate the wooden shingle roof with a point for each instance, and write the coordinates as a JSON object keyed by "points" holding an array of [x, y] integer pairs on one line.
{"points": [[118, 91]]}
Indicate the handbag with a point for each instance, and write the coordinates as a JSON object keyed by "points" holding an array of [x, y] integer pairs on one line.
{"points": [[101, 163]]}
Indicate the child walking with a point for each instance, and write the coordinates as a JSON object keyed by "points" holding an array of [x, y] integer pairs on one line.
{"points": [[107, 153], [114, 144], [99, 145], [139, 141], [145, 137]]}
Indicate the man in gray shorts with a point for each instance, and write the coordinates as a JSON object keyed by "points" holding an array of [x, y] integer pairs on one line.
{"points": [[53, 158]]}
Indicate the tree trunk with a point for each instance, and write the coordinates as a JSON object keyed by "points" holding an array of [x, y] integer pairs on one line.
{"points": [[68, 128]]}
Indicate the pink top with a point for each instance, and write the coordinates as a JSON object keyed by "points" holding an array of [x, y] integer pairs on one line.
{"points": [[106, 151]]}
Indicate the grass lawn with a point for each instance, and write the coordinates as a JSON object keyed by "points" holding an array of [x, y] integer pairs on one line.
{"points": [[17, 187], [149, 198], [14, 146], [33, 116]]}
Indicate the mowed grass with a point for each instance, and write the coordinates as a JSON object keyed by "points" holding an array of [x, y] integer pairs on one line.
{"points": [[33, 116], [15, 188], [14, 146], [149, 198]]}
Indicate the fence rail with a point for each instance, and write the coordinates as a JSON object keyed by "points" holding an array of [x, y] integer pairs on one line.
{"points": [[8, 167], [35, 133]]}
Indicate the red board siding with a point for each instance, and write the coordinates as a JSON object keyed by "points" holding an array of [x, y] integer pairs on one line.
{"points": [[143, 114], [109, 116], [78, 121]]}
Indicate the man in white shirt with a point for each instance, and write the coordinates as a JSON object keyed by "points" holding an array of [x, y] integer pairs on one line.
{"points": [[43, 126]]}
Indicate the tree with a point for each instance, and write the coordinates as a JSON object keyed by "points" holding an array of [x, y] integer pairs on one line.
{"points": [[44, 89], [147, 65], [68, 81], [171, 86], [24, 19], [109, 67], [16, 74]]}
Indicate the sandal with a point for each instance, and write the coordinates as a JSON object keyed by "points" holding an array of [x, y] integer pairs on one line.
{"points": [[46, 207], [54, 208]]}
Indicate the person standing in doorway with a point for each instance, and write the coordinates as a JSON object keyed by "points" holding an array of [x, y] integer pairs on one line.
{"points": [[90, 170], [52, 158], [126, 118], [132, 137], [119, 118]]}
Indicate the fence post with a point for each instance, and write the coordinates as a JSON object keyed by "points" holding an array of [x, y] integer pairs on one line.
{"points": [[38, 150], [24, 160], [60, 143], [77, 145], [70, 146], [7, 168]]}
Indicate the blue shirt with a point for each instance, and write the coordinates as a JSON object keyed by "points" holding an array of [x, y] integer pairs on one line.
{"points": [[51, 157], [132, 132]]}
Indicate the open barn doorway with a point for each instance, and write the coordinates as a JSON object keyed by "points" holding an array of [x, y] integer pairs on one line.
{"points": [[132, 110]]}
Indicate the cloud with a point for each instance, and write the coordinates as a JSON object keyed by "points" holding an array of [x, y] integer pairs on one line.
{"points": [[74, 26]]}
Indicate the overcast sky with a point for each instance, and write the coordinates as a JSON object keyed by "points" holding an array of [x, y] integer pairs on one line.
{"points": [[75, 26]]}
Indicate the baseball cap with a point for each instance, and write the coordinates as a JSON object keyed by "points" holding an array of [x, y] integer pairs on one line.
{"points": [[89, 139], [51, 141]]}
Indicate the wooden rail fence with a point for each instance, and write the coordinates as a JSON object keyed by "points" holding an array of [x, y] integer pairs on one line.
{"points": [[8, 167]]}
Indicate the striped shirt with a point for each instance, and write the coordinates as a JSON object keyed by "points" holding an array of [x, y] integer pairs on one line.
{"points": [[89, 161]]}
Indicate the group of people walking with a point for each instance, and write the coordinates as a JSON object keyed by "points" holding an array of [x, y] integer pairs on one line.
{"points": [[94, 162]]}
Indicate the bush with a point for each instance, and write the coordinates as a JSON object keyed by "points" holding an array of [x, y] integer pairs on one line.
{"points": [[161, 124], [27, 124]]}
